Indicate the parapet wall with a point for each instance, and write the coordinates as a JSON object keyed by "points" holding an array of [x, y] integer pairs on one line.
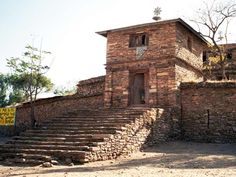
{"points": [[89, 96], [51, 107], [209, 111], [91, 87]]}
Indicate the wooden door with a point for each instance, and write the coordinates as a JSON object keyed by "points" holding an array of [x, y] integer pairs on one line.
{"points": [[137, 92]]}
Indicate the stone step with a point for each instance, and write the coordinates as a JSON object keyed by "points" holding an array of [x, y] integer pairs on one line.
{"points": [[91, 122], [92, 126], [92, 118], [64, 135], [104, 115], [41, 142], [86, 124], [24, 161], [63, 139], [86, 121], [58, 153], [75, 156], [106, 112], [77, 135], [74, 128], [72, 131], [60, 131], [85, 129], [76, 123], [43, 146], [44, 158]]}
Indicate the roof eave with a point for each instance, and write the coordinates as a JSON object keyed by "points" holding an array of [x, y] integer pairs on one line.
{"points": [[104, 33], [192, 30]]}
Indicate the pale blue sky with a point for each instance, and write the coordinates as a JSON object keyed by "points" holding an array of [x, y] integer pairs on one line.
{"points": [[68, 28]]}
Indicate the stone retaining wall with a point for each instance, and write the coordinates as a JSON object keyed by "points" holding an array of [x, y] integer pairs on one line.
{"points": [[152, 127], [166, 126], [209, 111], [130, 139]]}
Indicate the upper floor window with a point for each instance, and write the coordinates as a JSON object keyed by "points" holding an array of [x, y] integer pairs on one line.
{"points": [[229, 55], [138, 40], [189, 44]]}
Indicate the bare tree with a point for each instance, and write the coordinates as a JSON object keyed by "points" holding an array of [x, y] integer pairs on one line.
{"points": [[213, 22]]}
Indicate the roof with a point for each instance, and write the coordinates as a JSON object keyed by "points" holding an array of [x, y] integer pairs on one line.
{"points": [[104, 33], [231, 46]]}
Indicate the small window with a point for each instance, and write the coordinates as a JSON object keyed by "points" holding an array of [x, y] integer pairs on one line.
{"points": [[189, 44], [229, 56], [143, 39], [138, 40]]}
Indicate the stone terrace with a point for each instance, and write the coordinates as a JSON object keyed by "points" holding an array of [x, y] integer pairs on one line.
{"points": [[82, 136]]}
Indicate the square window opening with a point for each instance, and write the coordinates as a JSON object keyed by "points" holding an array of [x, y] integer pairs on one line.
{"points": [[138, 40]]}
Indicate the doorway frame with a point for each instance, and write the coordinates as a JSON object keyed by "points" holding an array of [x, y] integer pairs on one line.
{"points": [[132, 73]]}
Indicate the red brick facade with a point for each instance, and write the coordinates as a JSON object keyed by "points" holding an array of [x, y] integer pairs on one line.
{"points": [[171, 52], [209, 111]]}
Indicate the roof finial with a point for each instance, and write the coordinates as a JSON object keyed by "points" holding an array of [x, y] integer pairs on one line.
{"points": [[157, 12]]}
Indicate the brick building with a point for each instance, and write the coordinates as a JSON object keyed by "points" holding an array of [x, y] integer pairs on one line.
{"points": [[214, 73], [155, 65], [152, 92], [146, 63]]}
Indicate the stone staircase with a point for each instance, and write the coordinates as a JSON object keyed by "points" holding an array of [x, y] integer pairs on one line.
{"points": [[81, 136]]}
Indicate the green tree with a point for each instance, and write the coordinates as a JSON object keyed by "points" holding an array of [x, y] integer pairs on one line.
{"points": [[28, 76], [9, 92], [3, 90], [16, 94], [213, 21]]}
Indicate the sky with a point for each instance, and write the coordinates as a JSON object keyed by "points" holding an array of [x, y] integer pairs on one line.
{"points": [[67, 29]]}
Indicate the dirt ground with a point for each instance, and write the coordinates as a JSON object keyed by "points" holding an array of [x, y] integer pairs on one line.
{"points": [[172, 159]]}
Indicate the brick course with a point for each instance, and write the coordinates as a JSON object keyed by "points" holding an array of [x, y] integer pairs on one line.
{"points": [[209, 111], [166, 61]]}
